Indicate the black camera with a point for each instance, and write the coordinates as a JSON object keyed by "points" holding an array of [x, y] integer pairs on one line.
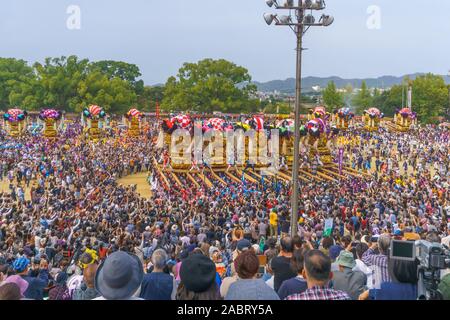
{"points": [[431, 258]]}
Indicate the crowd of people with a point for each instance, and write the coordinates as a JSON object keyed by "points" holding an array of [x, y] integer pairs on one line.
{"points": [[70, 231]]}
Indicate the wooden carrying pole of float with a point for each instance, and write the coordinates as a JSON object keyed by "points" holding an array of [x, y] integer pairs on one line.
{"points": [[284, 176], [288, 176], [158, 169], [309, 175], [256, 174], [232, 177], [190, 177], [353, 172], [215, 176], [174, 176], [350, 170], [326, 177], [205, 179], [246, 176], [330, 172]]}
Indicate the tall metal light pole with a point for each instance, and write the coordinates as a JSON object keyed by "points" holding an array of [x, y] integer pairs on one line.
{"points": [[448, 109], [299, 20]]}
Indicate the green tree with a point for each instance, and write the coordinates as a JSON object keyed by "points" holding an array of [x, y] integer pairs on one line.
{"points": [[349, 89], [149, 97], [16, 82], [376, 94], [60, 78], [429, 100], [122, 70], [430, 96], [28, 96], [281, 107], [363, 99], [115, 95], [331, 97], [390, 100], [72, 84], [210, 85]]}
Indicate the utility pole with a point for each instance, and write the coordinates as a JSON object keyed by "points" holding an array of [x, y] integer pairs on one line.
{"points": [[300, 24]]}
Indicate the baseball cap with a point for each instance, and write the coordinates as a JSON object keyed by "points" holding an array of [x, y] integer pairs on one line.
{"points": [[243, 245]]}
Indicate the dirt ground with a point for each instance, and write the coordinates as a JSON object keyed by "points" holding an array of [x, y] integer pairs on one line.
{"points": [[4, 187], [140, 180]]}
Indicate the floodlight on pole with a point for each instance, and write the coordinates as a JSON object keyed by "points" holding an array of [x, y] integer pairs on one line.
{"points": [[285, 19], [289, 4], [300, 26], [270, 3], [309, 19], [327, 20], [307, 4], [318, 5], [269, 18]]}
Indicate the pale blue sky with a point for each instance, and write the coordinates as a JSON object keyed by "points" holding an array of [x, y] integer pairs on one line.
{"points": [[159, 35]]}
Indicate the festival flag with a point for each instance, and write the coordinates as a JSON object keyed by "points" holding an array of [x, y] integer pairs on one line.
{"points": [[328, 227]]}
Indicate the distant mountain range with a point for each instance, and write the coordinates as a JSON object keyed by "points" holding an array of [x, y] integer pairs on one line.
{"points": [[288, 86]]}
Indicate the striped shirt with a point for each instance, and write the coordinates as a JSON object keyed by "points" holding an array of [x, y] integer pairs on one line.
{"points": [[379, 263]]}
